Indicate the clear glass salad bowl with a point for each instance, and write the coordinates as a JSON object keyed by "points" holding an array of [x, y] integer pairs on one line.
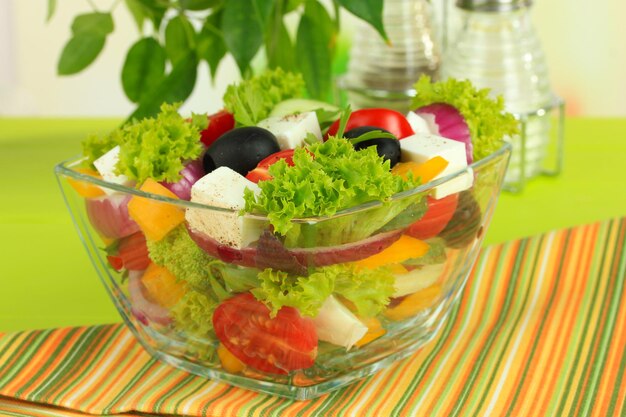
{"points": [[186, 325]]}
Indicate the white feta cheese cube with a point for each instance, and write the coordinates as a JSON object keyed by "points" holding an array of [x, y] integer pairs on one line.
{"points": [[418, 123], [290, 131], [106, 168], [422, 147], [223, 188], [338, 325]]}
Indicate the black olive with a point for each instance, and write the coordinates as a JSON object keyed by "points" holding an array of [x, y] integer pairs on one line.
{"points": [[388, 148], [240, 149]]}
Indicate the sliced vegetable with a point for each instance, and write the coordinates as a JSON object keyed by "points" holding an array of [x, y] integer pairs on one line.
{"points": [[389, 120], [219, 123], [426, 171], [485, 117], [414, 303], [162, 286], [417, 279], [110, 216], [84, 188], [449, 123], [374, 331], [261, 172], [229, 361], [155, 218], [437, 216], [130, 253], [142, 308], [191, 173], [275, 345], [404, 248]]}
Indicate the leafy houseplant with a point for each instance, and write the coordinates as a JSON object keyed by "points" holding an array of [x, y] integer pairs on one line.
{"points": [[176, 35]]}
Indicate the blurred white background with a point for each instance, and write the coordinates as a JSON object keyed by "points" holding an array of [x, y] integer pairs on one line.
{"points": [[583, 41]]}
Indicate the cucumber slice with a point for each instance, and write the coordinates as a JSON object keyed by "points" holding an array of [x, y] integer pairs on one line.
{"points": [[300, 105]]}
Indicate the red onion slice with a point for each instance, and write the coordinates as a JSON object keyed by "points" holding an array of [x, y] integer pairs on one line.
{"points": [[144, 310], [109, 215], [450, 123], [191, 173]]}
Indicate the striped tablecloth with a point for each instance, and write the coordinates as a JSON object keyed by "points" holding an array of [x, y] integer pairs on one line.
{"points": [[540, 331]]}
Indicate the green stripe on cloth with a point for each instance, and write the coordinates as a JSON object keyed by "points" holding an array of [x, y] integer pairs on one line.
{"points": [[490, 356]]}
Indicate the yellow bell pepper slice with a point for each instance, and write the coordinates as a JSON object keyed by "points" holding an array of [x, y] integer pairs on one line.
{"points": [[229, 361], [86, 189], [155, 218], [414, 303], [162, 286], [375, 330], [427, 171], [406, 247]]}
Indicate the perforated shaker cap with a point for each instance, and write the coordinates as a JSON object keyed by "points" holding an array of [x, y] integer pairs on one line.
{"points": [[493, 5]]}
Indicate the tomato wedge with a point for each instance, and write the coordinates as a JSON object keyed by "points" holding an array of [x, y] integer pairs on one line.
{"points": [[392, 121], [219, 123], [131, 253], [438, 214], [260, 173], [276, 345]]}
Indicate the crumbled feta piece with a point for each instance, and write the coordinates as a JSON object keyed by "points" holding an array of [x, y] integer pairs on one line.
{"points": [[338, 325], [290, 131], [422, 147], [223, 188], [418, 123], [105, 165]]}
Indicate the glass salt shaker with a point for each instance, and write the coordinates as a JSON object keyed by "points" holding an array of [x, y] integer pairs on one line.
{"points": [[383, 75], [496, 47]]}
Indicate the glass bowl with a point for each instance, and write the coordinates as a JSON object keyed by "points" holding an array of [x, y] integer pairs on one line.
{"points": [[174, 319]]}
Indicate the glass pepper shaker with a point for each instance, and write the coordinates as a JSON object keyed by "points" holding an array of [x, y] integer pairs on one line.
{"points": [[383, 75], [496, 47]]}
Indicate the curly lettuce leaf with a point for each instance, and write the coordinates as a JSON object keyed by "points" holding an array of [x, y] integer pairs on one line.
{"points": [[182, 257], [194, 314], [488, 123], [158, 147], [368, 290], [253, 99], [95, 146], [326, 177]]}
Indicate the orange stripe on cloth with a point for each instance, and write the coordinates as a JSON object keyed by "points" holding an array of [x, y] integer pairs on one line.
{"points": [[540, 330]]}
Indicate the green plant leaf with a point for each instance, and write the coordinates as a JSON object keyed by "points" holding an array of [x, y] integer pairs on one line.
{"points": [[143, 69], [155, 10], [242, 31], [263, 10], [198, 4], [369, 10], [278, 46], [80, 51], [52, 6], [138, 11], [314, 49], [211, 46], [291, 5], [177, 86], [180, 38], [96, 23]]}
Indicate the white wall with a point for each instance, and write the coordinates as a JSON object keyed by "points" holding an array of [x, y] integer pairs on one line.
{"points": [[582, 39]]}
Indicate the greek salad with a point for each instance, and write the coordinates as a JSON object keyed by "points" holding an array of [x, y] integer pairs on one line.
{"points": [[297, 237]]}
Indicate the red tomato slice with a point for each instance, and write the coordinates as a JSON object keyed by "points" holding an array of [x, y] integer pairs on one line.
{"points": [[260, 173], [116, 262], [276, 345], [437, 216], [134, 252], [219, 123], [390, 120]]}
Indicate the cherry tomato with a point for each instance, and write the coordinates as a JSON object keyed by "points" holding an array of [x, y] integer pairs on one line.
{"points": [[260, 173], [276, 345], [438, 214], [131, 253], [392, 121], [219, 123]]}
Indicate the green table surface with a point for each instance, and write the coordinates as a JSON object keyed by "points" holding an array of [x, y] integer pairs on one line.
{"points": [[46, 279]]}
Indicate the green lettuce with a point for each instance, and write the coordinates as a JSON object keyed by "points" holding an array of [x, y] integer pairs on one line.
{"points": [[180, 255], [487, 121], [154, 148], [368, 290], [194, 314], [326, 178], [253, 99], [436, 254]]}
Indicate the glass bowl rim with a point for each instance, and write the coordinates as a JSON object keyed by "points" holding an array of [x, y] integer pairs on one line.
{"points": [[66, 168]]}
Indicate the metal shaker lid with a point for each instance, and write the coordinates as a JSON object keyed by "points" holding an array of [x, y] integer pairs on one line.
{"points": [[493, 5]]}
